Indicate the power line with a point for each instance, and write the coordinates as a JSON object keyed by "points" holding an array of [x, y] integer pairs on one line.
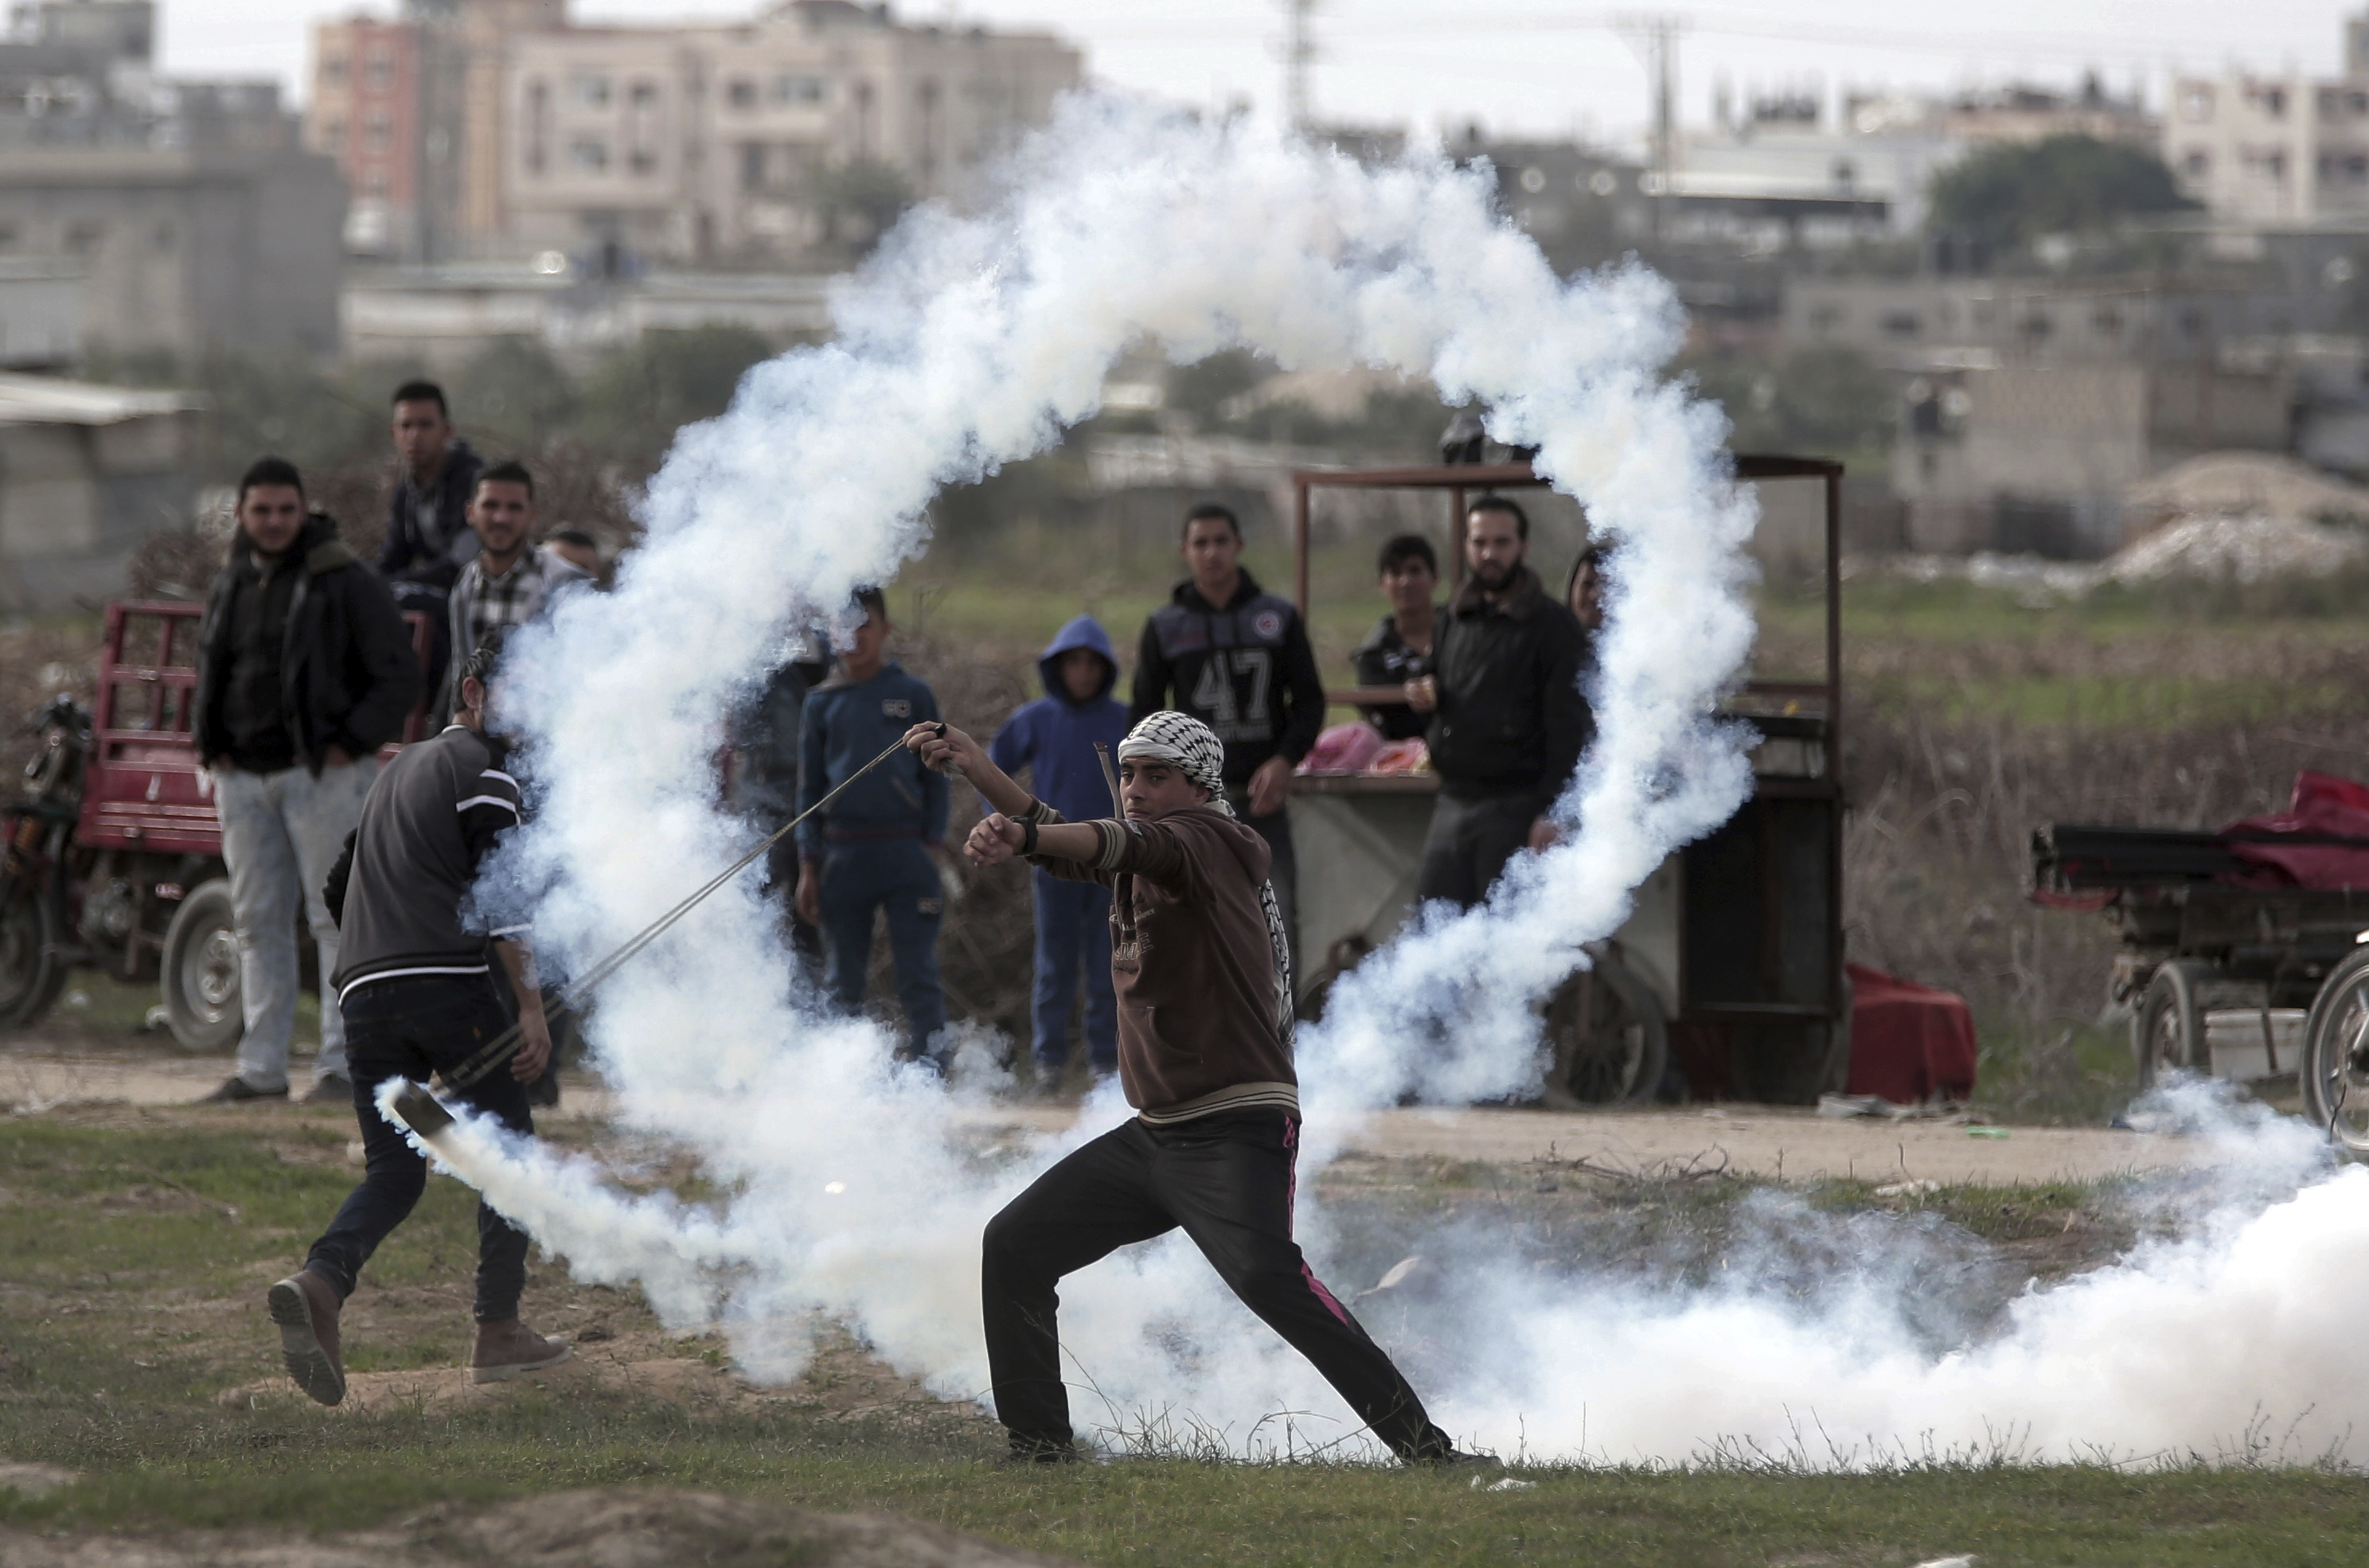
{"points": [[2153, 48]]}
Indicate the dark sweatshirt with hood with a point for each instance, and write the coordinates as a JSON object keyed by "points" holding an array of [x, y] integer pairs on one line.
{"points": [[1242, 668], [1054, 736], [345, 674]]}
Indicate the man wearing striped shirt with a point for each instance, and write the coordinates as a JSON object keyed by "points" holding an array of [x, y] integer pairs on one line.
{"points": [[415, 984]]}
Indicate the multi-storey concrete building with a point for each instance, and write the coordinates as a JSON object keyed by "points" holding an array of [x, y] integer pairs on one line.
{"points": [[496, 127], [759, 139], [2277, 150], [184, 208]]}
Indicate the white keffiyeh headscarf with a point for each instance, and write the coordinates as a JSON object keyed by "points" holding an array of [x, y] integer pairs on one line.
{"points": [[1192, 749]]}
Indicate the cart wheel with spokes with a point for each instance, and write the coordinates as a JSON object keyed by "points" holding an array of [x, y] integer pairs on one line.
{"points": [[1611, 1042], [2335, 1073], [31, 971], [2167, 1035], [200, 971]]}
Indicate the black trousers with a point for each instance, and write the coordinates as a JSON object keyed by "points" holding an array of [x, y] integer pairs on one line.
{"points": [[412, 1029], [1227, 1179], [1469, 842]]}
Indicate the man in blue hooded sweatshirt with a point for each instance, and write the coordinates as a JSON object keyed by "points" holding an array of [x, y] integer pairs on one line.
{"points": [[1054, 736]]}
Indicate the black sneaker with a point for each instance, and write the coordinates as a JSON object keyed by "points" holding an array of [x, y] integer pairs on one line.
{"points": [[237, 1091], [544, 1092], [332, 1089]]}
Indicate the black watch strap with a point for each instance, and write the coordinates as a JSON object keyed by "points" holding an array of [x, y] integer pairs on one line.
{"points": [[1027, 836]]}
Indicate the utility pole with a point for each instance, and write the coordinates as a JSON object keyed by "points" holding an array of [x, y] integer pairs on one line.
{"points": [[1655, 37], [1299, 54]]}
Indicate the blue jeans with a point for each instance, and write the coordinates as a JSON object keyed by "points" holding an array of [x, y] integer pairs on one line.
{"points": [[1072, 942], [899, 876], [413, 1028]]}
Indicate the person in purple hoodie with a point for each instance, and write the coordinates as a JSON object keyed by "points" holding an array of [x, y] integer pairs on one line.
{"points": [[1054, 738]]}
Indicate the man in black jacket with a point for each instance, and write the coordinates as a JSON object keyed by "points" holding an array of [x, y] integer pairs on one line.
{"points": [[1508, 720], [1236, 658], [305, 670]]}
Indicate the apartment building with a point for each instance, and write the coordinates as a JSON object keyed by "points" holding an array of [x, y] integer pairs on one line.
{"points": [[500, 128], [181, 214], [750, 142], [2276, 150]]}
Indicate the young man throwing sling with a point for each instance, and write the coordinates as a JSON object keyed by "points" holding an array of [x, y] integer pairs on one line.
{"points": [[1204, 983]]}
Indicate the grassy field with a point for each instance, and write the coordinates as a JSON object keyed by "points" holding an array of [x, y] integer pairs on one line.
{"points": [[134, 1248]]}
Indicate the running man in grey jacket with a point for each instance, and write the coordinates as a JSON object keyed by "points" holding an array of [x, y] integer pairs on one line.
{"points": [[415, 982]]}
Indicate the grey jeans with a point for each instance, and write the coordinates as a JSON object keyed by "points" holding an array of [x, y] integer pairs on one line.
{"points": [[281, 831]]}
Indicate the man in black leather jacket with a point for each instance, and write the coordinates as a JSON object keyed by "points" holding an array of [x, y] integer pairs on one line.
{"points": [[1508, 720]]}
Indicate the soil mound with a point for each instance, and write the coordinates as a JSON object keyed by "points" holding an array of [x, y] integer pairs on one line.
{"points": [[602, 1528]]}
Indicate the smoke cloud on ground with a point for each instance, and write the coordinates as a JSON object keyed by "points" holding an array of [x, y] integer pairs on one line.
{"points": [[849, 1189]]}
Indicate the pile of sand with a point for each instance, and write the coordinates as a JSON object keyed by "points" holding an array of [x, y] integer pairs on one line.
{"points": [[574, 1530], [2247, 549]]}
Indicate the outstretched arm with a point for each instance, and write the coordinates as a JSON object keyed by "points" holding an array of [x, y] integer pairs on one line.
{"points": [[939, 744]]}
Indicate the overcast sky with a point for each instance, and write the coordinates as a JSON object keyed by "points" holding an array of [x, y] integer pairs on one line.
{"points": [[1516, 65]]}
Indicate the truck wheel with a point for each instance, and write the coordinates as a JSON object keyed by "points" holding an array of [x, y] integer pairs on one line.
{"points": [[2335, 1080], [1611, 1042], [2167, 1035], [31, 972], [200, 971]]}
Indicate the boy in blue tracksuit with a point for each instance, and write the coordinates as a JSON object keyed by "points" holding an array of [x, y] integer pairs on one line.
{"points": [[877, 845], [1054, 738]]}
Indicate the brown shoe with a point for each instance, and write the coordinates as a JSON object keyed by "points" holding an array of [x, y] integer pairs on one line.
{"points": [[507, 1349], [305, 1306]]}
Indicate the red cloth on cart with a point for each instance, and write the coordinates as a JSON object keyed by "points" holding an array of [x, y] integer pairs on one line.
{"points": [[2323, 804], [1908, 1042]]}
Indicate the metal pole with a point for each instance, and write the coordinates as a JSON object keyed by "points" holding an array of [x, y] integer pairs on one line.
{"points": [[1455, 545], [1833, 616], [1300, 545]]}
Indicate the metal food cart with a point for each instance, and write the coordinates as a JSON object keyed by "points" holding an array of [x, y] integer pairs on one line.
{"points": [[1728, 974]]}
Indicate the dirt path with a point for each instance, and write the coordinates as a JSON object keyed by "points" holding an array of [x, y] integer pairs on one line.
{"points": [[1760, 1139]]}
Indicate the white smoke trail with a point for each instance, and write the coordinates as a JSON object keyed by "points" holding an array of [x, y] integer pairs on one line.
{"points": [[972, 342]]}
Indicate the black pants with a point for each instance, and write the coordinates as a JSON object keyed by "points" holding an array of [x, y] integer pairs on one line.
{"points": [[1283, 870], [1470, 843], [1227, 1179], [411, 1028]]}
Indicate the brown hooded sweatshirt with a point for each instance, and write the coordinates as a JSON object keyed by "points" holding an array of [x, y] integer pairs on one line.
{"points": [[1191, 962]]}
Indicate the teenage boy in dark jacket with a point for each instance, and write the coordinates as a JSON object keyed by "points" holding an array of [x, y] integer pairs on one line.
{"points": [[1236, 658], [1054, 738], [1508, 721], [1399, 648], [429, 537], [305, 670], [1204, 982], [877, 846]]}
